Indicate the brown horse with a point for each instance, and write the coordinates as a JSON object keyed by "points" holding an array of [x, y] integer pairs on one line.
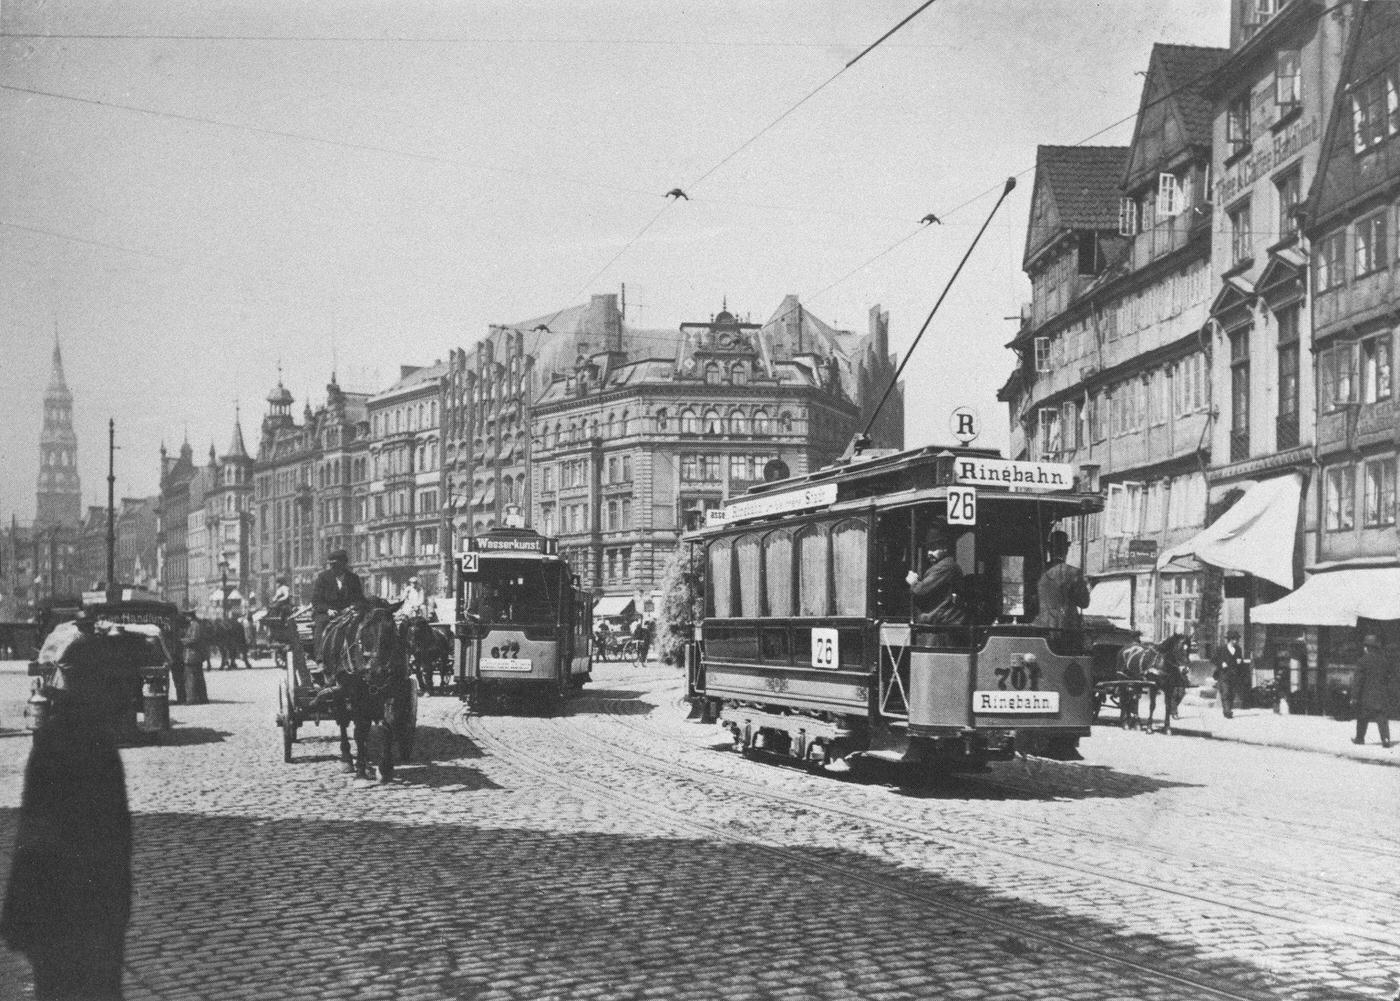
{"points": [[1163, 666], [429, 652], [363, 654]]}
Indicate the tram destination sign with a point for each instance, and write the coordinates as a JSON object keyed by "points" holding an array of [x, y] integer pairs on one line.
{"points": [[819, 495], [526, 544], [1018, 475]]}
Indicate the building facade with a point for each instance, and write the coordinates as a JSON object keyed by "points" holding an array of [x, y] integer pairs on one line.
{"points": [[1272, 98], [1351, 553], [1113, 371], [628, 451], [405, 483], [310, 491]]}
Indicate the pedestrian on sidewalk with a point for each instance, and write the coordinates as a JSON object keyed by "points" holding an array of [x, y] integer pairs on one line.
{"points": [[1227, 672], [1371, 690]]}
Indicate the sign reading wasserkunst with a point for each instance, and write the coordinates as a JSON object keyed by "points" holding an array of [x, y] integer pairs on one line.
{"points": [[1008, 473]]}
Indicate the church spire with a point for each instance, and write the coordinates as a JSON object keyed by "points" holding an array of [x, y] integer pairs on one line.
{"points": [[59, 497]]}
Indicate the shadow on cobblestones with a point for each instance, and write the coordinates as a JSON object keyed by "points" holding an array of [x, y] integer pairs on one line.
{"points": [[186, 736], [232, 908], [450, 778], [1037, 779], [623, 703]]}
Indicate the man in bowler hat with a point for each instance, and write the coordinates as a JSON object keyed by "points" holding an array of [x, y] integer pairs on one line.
{"points": [[935, 591]]}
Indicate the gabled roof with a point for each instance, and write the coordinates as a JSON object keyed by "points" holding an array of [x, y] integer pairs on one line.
{"points": [[1076, 187], [1343, 180], [1186, 68]]}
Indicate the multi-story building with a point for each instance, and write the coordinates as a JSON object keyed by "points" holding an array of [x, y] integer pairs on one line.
{"points": [[228, 525], [1350, 224], [310, 490], [1113, 370], [1272, 96], [172, 550], [629, 449], [489, 396], [405, 483]]}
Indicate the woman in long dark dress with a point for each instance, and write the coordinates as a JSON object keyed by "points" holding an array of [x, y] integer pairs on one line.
{"points": [[68, 900]]}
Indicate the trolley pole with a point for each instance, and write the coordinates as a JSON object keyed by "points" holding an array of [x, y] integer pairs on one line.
{"points": [[111, 503]]}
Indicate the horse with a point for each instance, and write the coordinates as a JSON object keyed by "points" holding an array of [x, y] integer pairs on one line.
{"points": [[227, 636], [361, 650], [1163, 666], [428, 651]]}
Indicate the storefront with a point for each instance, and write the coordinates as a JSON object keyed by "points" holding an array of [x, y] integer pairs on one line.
{"points": [[1316, 630]]}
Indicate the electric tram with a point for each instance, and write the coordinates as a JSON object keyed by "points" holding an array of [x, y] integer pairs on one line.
{"points": [[814, 647], [523, 623]]}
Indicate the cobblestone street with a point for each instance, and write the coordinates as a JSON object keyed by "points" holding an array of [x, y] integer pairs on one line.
{"points": [[624, 852]]}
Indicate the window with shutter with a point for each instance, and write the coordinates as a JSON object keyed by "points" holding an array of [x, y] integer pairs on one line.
{"points": [[1127, 217]]}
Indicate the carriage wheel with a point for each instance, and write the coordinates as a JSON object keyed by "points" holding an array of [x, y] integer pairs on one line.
{"points": [[287, 716]]}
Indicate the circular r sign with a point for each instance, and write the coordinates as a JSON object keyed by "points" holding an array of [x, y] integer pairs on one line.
{"points": [[964, 424]]}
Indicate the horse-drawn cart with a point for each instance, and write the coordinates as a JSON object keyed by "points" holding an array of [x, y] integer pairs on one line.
{"points": [[117, 655], [308, 694]]}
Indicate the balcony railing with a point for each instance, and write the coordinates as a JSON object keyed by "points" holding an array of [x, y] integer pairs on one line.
{"points": [[1286, 430], [1239, 445]]}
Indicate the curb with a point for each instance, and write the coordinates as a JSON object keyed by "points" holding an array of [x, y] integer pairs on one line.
{"points": [[1390, 762]]}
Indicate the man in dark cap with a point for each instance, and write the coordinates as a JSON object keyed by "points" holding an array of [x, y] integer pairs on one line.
{"points": [[1062, 589], [1229, 664], [936, 598], [337, 587], [1371, 690]]}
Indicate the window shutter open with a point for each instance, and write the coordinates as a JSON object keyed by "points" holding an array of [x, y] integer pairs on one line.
{"points": [[1127, 217]]}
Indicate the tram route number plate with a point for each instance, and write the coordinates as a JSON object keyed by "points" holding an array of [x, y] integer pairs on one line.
{"points": [[505, 664], [471, 563], [962, 505], [826, 649]]}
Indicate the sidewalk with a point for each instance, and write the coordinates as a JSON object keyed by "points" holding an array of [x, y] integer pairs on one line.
{"points": [[1199, 716]]}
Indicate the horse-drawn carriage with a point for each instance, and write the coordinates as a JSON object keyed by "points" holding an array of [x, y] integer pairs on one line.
{"points": [[1126, 669], [362, 678], [116, 654]]}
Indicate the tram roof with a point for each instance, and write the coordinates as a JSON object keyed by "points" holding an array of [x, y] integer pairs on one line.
{"points": [[894, 479]]}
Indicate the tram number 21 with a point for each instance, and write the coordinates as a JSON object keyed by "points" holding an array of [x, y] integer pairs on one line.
{"points": [[826, 649], [962, 505]]}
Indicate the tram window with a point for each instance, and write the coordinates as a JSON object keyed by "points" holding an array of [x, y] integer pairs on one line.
{"points": [[848, 565], [813, 558], [777, 572], [892, 561], [516, 592], [721, 578], [746, 553]]}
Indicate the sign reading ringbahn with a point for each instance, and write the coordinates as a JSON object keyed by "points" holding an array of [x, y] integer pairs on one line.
{"points": [[1007, 473], [1009, 703]]}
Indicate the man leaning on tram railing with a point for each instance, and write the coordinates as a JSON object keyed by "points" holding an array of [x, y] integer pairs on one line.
{"points": [[936, 592]]}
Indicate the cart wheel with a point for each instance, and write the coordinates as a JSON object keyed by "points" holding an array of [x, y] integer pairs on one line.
{"points": [[288, 717]]}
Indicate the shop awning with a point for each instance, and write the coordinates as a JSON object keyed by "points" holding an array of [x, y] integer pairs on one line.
{"points": [[1112, 598], [613, 606], [1337, 598], [1255, 536]]}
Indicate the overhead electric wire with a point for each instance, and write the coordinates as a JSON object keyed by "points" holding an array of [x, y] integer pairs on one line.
{"points": [[758, 135]]}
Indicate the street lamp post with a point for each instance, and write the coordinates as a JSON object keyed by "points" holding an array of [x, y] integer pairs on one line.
{"points": [[223, 584]]}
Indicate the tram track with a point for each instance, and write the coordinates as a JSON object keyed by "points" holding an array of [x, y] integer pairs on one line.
{"points": [[942, 838], [1159, 851], [585, 746], [1114, 956]]}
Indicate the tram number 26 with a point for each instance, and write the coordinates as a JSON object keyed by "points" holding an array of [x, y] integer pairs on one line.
{"points": [[826, 649], [962, 505]]}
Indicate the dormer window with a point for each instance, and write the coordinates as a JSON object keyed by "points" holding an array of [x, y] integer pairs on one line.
{"points": [[1169, 196], [1373, 111]]}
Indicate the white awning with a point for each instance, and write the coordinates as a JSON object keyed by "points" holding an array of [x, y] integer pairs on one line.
{"points": [[1256, 536], [612, 605], [1337, 598], [1113, 599]]}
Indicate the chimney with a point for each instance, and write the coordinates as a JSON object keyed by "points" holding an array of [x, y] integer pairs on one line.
{"points": [[605, 313]]}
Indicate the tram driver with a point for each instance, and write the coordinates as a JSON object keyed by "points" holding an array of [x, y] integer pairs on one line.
{"points": [[936, 592], [486, 607]]}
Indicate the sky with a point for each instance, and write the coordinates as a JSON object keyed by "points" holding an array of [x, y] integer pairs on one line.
{"points": [[196, 197]]}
